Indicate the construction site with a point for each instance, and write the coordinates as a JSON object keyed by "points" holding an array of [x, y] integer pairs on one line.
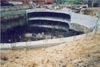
{"points": [[50, 33]]}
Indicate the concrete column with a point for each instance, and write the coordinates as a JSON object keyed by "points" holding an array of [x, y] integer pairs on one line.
{"points": [[93, 1]]}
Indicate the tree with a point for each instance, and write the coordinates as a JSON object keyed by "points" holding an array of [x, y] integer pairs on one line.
{"points": [[59, 1], [69, 1], [74, 1]]}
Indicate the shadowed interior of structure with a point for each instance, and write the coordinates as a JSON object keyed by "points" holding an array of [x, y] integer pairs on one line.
{"points": [[39, 29], [31, 32]]}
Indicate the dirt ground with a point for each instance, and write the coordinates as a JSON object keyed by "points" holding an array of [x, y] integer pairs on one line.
{"points": [[90, 11], [84, 52]]}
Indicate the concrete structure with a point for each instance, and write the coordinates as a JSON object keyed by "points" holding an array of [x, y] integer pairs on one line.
{"points": [[10, 19], [48, 18], [89, 22], [42, 43], [43, 19]]}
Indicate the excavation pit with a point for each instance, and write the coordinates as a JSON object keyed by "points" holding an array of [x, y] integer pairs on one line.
{"points": [[42, 25]]}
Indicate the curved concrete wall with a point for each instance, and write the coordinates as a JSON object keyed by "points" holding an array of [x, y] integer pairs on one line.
{"points": [[41, 43], [79, 27], [48, 19], [49, 14]]}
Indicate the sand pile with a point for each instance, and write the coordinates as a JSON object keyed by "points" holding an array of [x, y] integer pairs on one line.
{"points": [[84, 52]]}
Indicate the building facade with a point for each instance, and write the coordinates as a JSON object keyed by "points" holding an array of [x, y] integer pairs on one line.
{"points": [[38, 1]]}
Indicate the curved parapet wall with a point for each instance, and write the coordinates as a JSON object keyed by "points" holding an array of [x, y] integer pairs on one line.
{"points": [[41, 43], [48, 18], [31, 13], [49, 14], [49, 24]]}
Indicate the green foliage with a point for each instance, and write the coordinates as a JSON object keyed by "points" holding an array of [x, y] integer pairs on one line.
{"points": [[74, 1], [70, 1]]}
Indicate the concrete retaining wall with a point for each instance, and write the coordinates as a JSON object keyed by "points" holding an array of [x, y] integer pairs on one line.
{"points": [[41, 43]]}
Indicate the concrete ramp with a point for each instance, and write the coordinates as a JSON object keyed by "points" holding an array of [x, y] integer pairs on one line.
{"points": [[85, 20]]}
